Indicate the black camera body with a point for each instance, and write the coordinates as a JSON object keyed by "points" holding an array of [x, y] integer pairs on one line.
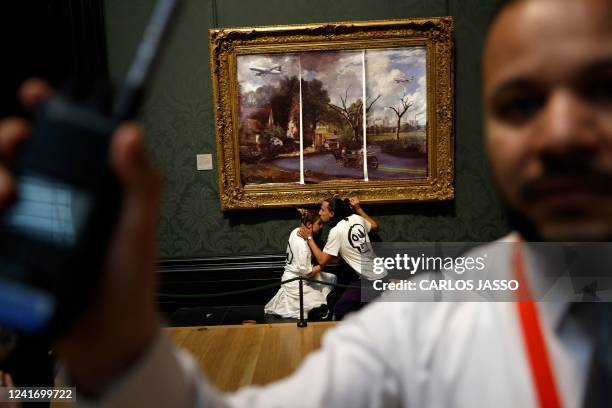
{"points": [[54, 236]]}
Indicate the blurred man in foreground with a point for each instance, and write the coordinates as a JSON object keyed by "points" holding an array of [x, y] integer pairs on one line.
{"points": [[547, 82]]}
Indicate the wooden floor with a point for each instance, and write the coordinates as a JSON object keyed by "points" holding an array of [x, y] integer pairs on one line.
{"points": [[238, 355]]}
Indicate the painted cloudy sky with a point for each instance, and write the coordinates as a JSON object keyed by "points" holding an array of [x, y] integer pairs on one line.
{"points": [[382, 68], [342, 70], [250, 81], [339, 71]]}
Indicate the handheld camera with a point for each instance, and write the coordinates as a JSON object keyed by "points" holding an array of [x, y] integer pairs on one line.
{"points": [[54, 236]]}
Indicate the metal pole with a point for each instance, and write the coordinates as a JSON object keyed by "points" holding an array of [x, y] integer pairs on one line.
{"points": [[302, 322]]}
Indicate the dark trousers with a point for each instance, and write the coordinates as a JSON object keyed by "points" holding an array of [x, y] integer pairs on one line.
{"points": [[350, 301], [342, 301]]}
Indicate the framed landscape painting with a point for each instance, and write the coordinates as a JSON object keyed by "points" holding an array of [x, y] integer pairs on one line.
{"points": [[306, 112]]}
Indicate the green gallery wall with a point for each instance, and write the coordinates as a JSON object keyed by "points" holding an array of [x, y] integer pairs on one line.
{"points": [[178, 116]]}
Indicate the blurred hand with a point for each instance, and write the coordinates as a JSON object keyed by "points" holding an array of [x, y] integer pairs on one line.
{"points": [[305, 232], [7, 381], [13, 131], [117, 328], [354, 202]]}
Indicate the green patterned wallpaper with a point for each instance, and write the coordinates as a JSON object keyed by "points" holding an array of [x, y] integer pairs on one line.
{"points": [[179, 119]]}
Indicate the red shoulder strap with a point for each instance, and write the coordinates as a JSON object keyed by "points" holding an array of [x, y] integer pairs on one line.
{"points": [[539, 361]]}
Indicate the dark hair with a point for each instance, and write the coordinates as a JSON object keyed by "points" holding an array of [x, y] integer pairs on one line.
{"points": [[341, 208], [308, 216]]}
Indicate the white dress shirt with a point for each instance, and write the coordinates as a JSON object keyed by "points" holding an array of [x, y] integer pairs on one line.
{"points": [[390, 354]]}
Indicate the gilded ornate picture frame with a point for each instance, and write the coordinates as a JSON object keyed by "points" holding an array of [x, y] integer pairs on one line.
{"points": [[291, 128]]}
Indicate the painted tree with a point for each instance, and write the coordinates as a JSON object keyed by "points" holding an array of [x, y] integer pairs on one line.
{"points": [[353, 114], [314, 100], [280, 101], [258, 98], [400, 111]]}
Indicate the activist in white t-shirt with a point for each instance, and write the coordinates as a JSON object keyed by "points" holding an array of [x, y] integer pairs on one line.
{"points": [[286, 302], [348, 239]]}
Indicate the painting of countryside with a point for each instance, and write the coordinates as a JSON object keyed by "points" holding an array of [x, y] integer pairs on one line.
{"points": [[301, 115]]}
